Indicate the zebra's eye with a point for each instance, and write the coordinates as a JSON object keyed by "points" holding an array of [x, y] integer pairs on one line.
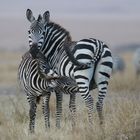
{"points": [[43, 33], [29, 31]]}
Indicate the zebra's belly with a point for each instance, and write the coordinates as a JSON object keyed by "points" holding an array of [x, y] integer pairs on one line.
{"points": [[69, 70]]}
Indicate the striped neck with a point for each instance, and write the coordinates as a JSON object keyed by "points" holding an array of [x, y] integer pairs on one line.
{"points": [[54, 39]]}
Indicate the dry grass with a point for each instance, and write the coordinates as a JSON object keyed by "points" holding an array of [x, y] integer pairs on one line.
{"points": [[121, 109], [8, 67]]}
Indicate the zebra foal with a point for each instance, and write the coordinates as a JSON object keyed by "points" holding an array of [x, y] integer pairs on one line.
{"points": [[35, 85], [61, 83], [88, 61]]}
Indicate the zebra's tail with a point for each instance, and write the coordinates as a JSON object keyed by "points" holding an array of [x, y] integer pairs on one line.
{"points": [[38, 98], [67, 45]]}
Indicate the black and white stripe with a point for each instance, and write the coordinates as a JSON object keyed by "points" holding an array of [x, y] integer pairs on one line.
{"points": [[88, 61], [31, 76]]}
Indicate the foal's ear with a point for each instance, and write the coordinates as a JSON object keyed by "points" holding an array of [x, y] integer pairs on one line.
{"points": [[46, 17], [29, 15]]}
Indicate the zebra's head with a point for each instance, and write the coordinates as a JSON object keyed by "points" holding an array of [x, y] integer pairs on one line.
{"points": [[37, 28]]}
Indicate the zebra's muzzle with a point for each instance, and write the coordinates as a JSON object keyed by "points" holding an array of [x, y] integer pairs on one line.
{"points": [[34, 50]]}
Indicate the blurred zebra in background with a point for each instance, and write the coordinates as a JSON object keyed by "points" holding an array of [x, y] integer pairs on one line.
{"points": [[88, 61], [118, 64], [38, 80], [136, 61]]}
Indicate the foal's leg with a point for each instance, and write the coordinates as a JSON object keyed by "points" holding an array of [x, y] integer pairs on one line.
{"points": [[59, 97], [32, 113], [72, 107], [46, 109]]}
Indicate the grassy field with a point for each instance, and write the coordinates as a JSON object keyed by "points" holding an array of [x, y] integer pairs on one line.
{"points": [[8, 67], [121, 109]]}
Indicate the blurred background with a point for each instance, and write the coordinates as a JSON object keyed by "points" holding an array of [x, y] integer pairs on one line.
{"points": [[117, 23]]}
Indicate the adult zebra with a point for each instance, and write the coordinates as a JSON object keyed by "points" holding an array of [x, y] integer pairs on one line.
{"points": [[88, 61], [38, 80]]}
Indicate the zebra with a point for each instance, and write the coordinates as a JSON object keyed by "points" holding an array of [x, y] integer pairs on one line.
{"points": [[35, 85], [136, 61], [118, 64], [60, 83], [88, 61]]}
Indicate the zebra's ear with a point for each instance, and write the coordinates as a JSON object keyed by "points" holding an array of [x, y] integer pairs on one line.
{"points": [[29, 15], [46, 17]]}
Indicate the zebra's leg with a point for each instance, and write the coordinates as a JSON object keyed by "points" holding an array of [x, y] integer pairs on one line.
{"points": [[46, 109], [102, 88], [88, 102], [102, 76], [72, 107], [59, 97], [83, 78], [32, 113], [89, 105]]}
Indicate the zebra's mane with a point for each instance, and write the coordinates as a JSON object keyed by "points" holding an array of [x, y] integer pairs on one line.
{"points": [[60, 28], [68, 45]]}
